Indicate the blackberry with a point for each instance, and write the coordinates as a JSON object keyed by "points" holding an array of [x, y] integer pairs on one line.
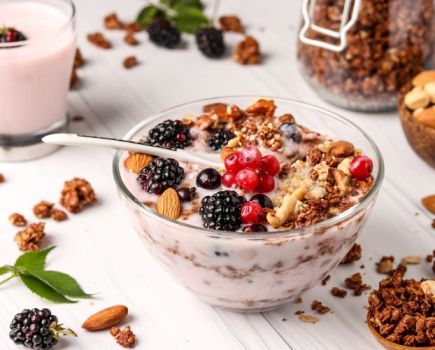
{"points": [[210, 42], [221, 211], [162, 33], [161, 174], [37, 329], [11, 35], [220, 139], [169, 134]]}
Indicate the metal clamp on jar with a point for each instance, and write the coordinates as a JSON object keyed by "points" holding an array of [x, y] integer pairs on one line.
{"points": [[358, 53]]}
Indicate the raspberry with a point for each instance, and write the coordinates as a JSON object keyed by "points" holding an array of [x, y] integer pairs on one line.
{"points": [[247, 179], [11, 35], [37, 329], [162, 33], [169, 134], [161, 174], [220, 139], [250, 157], [361, 167], [251, 213], [210, 42], [232, 163], [221, 211]]}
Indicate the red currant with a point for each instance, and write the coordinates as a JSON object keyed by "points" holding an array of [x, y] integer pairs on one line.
{"points": [[361, 167], [251, 213], [250, 157], [232, 163], [270, 165], [228, 179], [247, 179], [266, 183]]}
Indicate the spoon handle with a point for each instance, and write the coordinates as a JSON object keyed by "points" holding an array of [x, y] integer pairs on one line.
{"points": [[127, 145]]}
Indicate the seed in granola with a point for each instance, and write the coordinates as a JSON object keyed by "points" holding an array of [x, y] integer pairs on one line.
{"points": [[354, 254], [338, 292], [125, 337], [43, 209], [99, 40], [17, 219], [130, 62], [317, 306], [30, 239], [385, 265], [58, 215], [76, 194]]}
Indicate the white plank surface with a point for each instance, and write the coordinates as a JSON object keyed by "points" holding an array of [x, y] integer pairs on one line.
{"points": [[99, 246]]}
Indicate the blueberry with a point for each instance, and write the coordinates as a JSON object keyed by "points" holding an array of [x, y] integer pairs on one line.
{"points": [[263, 200], [291, 132], [209, 179]]}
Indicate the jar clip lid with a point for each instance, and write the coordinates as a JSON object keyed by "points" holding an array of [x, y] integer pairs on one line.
{"points": [[348, 18]]}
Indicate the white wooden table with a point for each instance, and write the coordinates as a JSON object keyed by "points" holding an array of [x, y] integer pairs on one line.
{"points": [[99, 246]]}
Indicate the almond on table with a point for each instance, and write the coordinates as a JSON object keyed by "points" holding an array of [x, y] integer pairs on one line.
{"points": [[106, 318]]}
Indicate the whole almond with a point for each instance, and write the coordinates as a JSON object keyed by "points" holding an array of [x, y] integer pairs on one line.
{"points": [[423, 78], [342, 149], [427, 118], [429, 203], [137, 161], [106, 318], [169, 204]]}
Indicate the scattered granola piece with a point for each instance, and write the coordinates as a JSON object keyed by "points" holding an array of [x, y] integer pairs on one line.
{"points": [[30, 239], [429, 203], [111, 21], [411, 260], [298, 300], [338, 292], [325, 280], [130, 39], [125, 337], [130, 62], [385, 265], [17, 219], [76, 194], [354, 254], [78, 59], [299, 312], [308, 318], [429, 258], [356, 284], [231, 24], [58, 215], [2, 178], [247, 51], [433, 223], [73, 78], [99, 40], [401, 312], [317, 306], [43, 209], [133, 27], [77, 118]]}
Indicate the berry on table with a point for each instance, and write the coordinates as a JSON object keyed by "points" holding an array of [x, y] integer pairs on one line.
{"points": [[291, 131], [266, 183], [162, 33], [220, 139], [270, 165], [250, 157], [169, 134], [161, 174], [209, 179], [263, 200], [361, 167], [251, 213], [210, 42], [37, 329], [232, 163], [221, 211], [255, 228], [247, 179], [228, 179]]}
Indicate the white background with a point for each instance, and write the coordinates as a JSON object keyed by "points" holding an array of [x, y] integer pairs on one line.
{"points": [[99, 246]]}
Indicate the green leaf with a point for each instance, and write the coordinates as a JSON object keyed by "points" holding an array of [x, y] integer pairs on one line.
{"points": [[33, 260], [5, 269], [190, 19], [43, 290], [179, 4], [148, 14], [60, 282]]}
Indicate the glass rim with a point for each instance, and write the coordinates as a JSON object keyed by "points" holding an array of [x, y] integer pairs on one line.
{"points": [[31, 42], [322, 225]]}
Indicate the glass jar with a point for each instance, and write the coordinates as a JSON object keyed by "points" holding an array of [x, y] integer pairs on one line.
{"points": [[358, 53]]}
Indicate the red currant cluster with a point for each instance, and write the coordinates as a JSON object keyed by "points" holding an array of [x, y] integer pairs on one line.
{"points": [[361, 167], [251, 171]]}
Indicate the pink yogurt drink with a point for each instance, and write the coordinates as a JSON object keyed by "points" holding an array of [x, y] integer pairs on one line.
{"points": [[37, 47]]}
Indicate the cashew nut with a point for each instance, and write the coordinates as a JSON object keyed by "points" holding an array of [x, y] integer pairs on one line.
{"points": [[280, 216]]}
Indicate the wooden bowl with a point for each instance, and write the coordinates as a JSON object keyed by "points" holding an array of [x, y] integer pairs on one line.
{"points": [[420, 137], [389, 345]]}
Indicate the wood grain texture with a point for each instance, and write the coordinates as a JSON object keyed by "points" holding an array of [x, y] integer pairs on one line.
{"points": [[162, 314]]}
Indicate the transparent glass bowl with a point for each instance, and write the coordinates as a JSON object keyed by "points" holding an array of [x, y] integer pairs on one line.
{"points": [[259, 271]]}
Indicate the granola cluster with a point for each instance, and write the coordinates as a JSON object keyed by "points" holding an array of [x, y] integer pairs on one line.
{"points": [[30, 239], [402, 310], [76, 194], [356, 284], [125, 337], [354, 254]]}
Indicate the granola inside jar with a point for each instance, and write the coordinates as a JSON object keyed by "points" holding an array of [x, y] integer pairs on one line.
{"points": [[357, 54]]}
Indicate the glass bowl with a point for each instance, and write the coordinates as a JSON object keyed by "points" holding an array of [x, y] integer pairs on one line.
{"points": [[258, 271]]}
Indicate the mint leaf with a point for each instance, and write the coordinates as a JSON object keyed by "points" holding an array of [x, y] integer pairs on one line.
{"points": [[178, 4], [33, 260], [190, 19], [43, 290], [5, 269], [148, 14], [61, 282]]}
